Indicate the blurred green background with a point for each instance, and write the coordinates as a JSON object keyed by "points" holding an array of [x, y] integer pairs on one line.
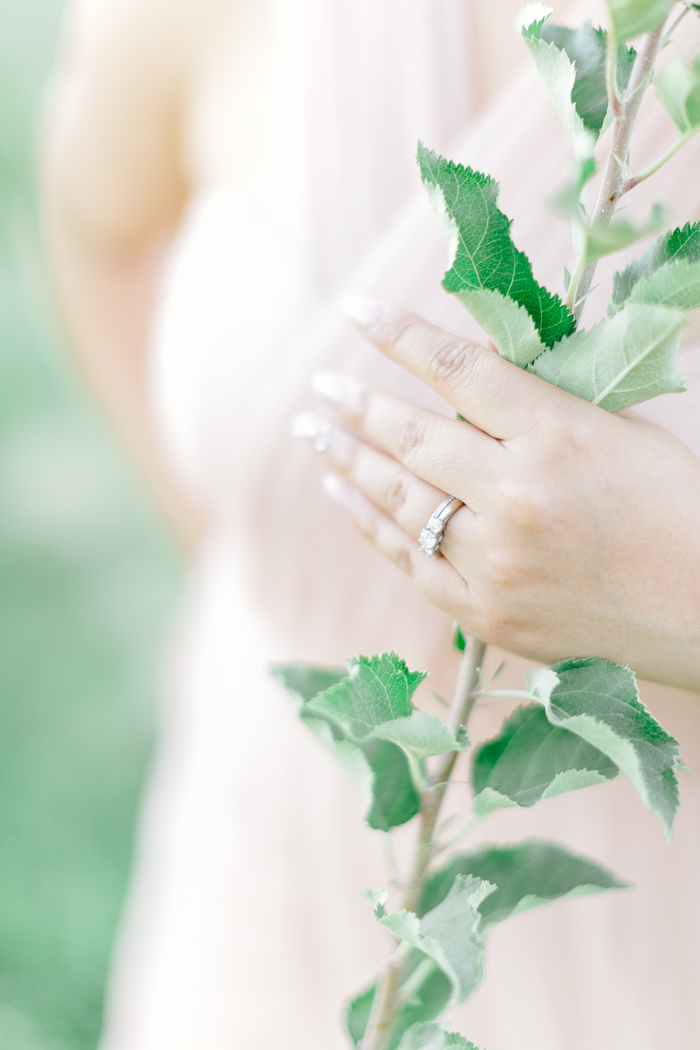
{"points": [[88, 580]]}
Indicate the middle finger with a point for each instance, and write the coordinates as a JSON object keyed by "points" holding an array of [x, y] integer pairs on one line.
{"points": [[448, 454], [408, 499]]}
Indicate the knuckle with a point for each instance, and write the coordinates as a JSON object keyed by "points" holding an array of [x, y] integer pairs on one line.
{"points": [[579, 435], [411, 433], [404, 560], [366, 524], [551, 430], [526, 506], [453, 360], [410, 329], [565, 437], [378, 531], [503, 568], [396, 493]]}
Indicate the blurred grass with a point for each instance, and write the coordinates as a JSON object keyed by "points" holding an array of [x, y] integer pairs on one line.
{"points": [[87, 582]]}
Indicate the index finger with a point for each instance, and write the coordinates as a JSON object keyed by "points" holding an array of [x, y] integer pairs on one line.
{"points": [[495, 395]]}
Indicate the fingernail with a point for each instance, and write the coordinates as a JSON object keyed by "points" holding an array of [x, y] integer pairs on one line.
{"points": [[338, 389], [339, 491], [362, 311], [315, 431]]}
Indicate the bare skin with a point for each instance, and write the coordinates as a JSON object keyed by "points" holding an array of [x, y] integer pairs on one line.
{"points": [[580, 534]]}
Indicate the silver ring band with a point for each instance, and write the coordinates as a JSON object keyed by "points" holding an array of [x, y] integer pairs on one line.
{"points": [[431, 537]]}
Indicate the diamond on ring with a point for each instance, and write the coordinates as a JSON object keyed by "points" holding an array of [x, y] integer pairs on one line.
{"points": [[315, 430], [431, 536]]}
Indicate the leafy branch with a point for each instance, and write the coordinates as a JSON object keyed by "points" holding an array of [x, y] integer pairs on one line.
{"points": [[580, 723], [390, 996], [678, 88]]}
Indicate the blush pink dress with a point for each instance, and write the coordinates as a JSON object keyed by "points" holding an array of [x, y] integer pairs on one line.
{"points": [[245, 925]]}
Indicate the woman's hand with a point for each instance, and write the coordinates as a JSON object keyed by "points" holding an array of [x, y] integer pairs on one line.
{"points": [[580, 533]]}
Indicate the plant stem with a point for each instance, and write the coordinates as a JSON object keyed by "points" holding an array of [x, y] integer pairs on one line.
{"points": [[498, 694], [653, 168], [466, 830], [674, 25], [571, 302], [390, 859], [387, 998], [614, 179], [413, 983], [610, 74]]}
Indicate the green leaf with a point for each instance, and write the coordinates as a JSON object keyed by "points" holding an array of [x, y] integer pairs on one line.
{"points": [[304, 681], [587, 47], [530, 760], [630, 18], [568, 199], [377, 898], [600, 702], [380, 770], [348, 753], [594, 242], [507, 324], [428, 999], [482, 255], [675, 284], [433, 1037], [423, 735], [374, 702], [357, 1014], [622, 361], [678, 88], [582, 83], [394, 796], [683, 243], [558, 74], [377, 690], [367, 720], [449, 934], [526, 875]]}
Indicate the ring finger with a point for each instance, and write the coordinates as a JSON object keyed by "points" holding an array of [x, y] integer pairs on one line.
{"points": [[406, 498]]}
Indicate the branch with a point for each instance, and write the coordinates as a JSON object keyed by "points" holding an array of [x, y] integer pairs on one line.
{"points": [[610, 75], [387, 998], [614, 177], [653, 168], [466, 830], [674, 25]]}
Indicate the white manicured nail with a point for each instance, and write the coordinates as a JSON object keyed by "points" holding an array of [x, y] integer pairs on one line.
{"points": [[316, 431], [339, 491], [362, 311], [339, 389]]}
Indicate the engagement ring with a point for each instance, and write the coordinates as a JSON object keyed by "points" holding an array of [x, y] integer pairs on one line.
{"points": [[431, 537]]}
